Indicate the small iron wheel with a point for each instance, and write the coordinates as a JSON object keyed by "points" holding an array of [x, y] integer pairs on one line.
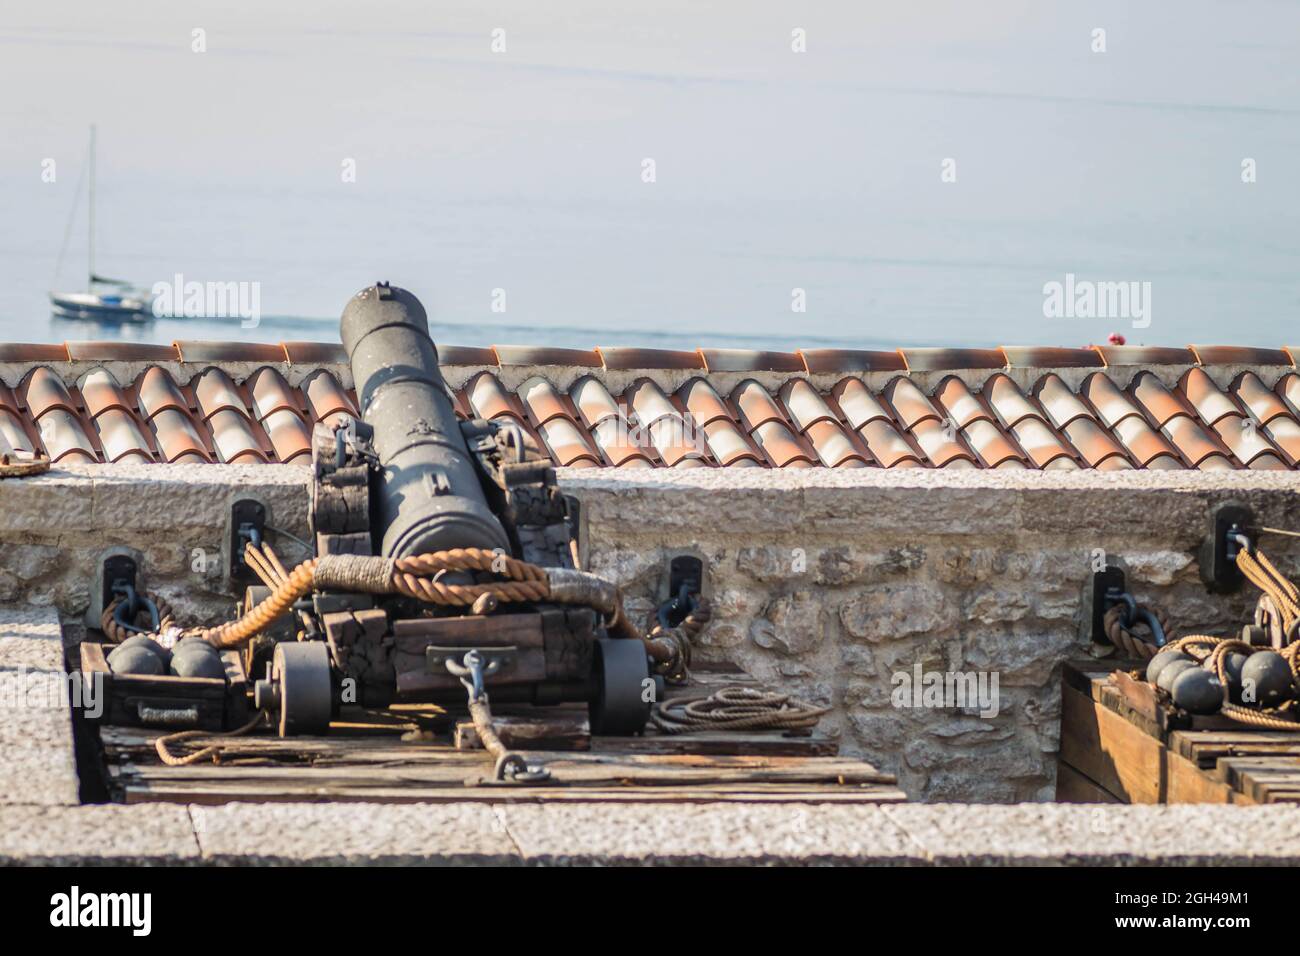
{"points": [[306, 687], [620, 707]]}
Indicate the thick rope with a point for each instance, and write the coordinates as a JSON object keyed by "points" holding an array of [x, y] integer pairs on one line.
{"points": [[1129, 642], [117, 634], [737, 708], [420, 578], [212, 750]]}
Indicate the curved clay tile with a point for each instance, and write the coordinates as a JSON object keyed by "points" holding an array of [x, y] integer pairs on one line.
{"points": [[991, 445], [156, 391], [941, 445], [121, 438], [1109, 399], [960, 402], [728, 445], [1097, 446], [233, 437], [910, 403], [858, 404], [757, 407], [1204, 396], [12, 434], [568, 444], [64, 437], [289, 435], [703, 402], [1008, 402], [1061, 404], [649, 402], [833, 445], [543, 401], [1262, 401], [780, 445], [176, 436], [887, 446], [271, 393], [45, 391], [594, 402], [1160, 403], [216, 391], [327, 399], [100, 391]]}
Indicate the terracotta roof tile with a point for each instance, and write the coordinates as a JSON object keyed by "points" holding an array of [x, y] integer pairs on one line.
{"points": [[120, 352], [938, 360], [22, 352], [315, 353], [326, 398], [625, 358], [1121, 417], [851, 360], [463, 355], [230, 352], [1032, 357], [748, 360], [1239, 355], [545, 355], [1145, 355]]}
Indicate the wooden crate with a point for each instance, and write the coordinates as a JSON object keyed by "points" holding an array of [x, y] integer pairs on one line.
{"points": [[1120, 742], [216, 704]]}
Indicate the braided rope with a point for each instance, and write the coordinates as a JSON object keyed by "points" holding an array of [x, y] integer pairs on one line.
{"points": [[737, 708], [117, 634], [1129, 642], [161, 745]]}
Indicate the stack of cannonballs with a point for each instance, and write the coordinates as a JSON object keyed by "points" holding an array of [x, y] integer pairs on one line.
{"points": [[144, 656], [1261, 679]]}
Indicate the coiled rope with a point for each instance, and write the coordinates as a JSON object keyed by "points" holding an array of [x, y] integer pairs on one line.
{"points": [[737, 708]]}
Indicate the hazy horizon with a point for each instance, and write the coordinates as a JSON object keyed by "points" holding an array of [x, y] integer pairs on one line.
{"points": [[775, 170]]}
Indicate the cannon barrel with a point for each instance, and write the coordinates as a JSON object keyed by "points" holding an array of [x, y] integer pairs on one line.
{"points": [[428, 497]]}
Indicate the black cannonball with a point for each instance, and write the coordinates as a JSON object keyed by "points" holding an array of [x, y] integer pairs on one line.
{"points": [[198, 665], [134, 659], [1165, 679], [1268, 675], [1232, 664], [149, 644], [1157, 663], [1197, 691]]}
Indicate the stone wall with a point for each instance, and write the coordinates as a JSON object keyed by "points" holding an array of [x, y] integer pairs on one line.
{"points": [[828, 583]]}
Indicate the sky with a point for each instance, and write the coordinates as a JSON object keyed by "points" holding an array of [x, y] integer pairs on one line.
{"points": [[914, 175]]}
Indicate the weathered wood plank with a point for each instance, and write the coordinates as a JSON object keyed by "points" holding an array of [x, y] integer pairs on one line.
{"points": [[1109, 750], [1074, 787]]}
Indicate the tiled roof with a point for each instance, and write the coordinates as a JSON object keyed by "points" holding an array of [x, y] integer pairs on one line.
{"points": [[1108, 407]]}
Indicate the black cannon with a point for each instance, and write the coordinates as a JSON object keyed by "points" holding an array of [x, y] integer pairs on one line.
{"points": [[410, 488]]}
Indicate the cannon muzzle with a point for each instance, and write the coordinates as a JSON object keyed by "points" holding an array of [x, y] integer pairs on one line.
{"points": [[428, 497]]}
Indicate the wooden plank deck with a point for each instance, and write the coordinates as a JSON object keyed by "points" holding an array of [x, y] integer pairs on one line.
{"points": [[410, 754]]}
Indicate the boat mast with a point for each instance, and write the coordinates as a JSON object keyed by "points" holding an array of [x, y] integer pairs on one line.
{"points": [[90, 281]]}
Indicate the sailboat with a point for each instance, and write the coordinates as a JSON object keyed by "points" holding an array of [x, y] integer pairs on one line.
{"points": [[105, 300]]}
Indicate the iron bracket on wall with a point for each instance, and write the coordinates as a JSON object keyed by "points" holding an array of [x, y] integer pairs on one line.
{"points": [[247, 524], [1229, 532], [1105, 584]]}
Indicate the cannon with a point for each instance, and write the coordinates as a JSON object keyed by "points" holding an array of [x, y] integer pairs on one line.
{"points": [[406, 481]]}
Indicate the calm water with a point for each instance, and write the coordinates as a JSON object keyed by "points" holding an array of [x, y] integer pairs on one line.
{"points": [[774, 170]]}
